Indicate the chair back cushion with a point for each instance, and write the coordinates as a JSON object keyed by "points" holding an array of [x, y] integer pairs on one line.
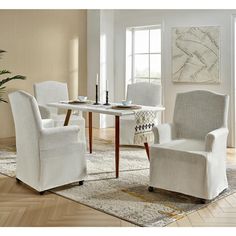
{"points": [[50, 91], [199, 112], [146, 94], [27, 122]]}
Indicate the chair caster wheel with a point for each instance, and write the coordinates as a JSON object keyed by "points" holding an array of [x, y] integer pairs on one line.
{"points": [[18, 181], [204, 201], [81, 182], [41, 193], [150, 189]]}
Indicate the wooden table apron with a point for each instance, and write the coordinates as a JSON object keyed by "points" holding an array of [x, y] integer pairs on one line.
{"points": [[90, 115]]}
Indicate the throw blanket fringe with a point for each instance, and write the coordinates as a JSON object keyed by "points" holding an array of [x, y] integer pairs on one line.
{"points": [[145, 120], [140, 139]]}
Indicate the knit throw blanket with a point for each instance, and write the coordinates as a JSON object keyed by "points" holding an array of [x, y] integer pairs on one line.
{"points": [[145, 120]]}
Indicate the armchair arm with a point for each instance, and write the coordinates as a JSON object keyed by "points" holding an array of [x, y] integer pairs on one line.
{"points": [[58, 136], [216, 140], [44, 111], [47, 123], [164, 133]]}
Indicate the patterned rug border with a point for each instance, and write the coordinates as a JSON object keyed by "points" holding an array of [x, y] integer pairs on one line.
{"points": [[140, 225], [101, 210]]}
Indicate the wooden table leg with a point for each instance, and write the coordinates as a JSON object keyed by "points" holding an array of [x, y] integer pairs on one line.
{"points": [[147, 150], [90, 131], [66, 122], [117, 144]]}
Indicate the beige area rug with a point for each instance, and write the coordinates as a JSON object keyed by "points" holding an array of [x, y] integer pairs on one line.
{"points": [[126, 197]]}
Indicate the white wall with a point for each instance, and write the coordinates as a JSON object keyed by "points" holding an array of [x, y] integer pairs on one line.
{"points": [[100, 59], [169, 19], [107, 61], [93, 56]]}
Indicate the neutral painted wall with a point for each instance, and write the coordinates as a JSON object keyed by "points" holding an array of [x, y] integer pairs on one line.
{"points": [[100, 42], [93, 56], [107, 62], [169, 19], [43, 45]]}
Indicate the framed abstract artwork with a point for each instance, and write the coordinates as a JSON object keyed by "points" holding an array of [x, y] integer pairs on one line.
{"points": [[196, 54]]}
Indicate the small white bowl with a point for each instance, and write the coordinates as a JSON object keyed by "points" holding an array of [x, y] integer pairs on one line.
{"points": [[126, 103], [82, 98]]}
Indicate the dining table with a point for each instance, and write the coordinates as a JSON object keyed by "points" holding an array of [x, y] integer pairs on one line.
{"points": [[114, 109]]}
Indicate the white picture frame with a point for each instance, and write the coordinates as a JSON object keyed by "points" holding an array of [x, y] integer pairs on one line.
{"points": [[196, 54]]}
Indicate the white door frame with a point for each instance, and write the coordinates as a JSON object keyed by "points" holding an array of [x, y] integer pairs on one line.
{"points": [[233, 84]]}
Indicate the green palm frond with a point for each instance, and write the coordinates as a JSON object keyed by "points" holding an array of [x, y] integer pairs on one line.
{"points": [[1, 51], [12, 78], [3, 72], [2, 100], [2, 89], [6, 80]]}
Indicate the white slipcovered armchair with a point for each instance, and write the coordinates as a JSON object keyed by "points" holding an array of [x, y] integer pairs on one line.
{"points": [[146, 94], [189, 155], [46, 157], [53, 91]]}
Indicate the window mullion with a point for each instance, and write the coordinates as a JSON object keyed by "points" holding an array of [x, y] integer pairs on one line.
{"points": [[149, 55], [133, 57]]}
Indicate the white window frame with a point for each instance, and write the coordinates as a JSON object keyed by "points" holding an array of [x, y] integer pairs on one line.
{"points": [[133, 29]]}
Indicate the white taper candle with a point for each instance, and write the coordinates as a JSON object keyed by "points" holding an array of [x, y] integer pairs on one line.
{"points": [[97, 80]]}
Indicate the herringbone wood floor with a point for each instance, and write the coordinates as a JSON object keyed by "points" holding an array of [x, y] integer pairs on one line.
{"points": [[20, 206]]}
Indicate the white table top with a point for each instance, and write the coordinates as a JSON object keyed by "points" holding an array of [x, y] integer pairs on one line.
{"points": [[102, 108]]}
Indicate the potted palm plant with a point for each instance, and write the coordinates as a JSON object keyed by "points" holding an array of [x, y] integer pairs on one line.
{"points": [[6, 80]]}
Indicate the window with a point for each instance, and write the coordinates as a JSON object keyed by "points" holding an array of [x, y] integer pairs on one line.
{"points": [[143, 54]]}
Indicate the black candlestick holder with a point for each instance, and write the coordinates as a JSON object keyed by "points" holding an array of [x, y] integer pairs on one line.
{"points": [[96, 102], [107, 103]]}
